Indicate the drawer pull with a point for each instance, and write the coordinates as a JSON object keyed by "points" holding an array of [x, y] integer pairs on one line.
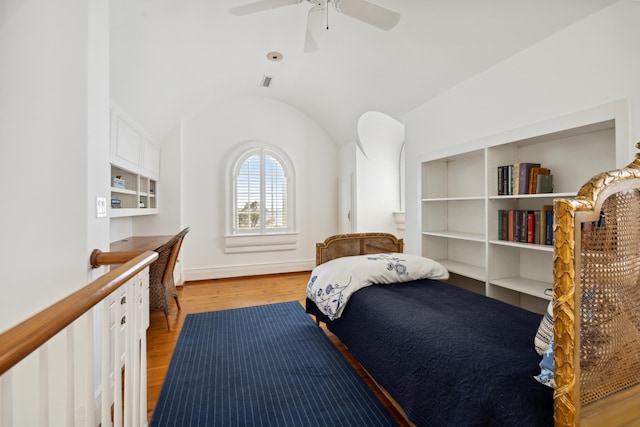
{"points": [[123, 300], [123, 320]]}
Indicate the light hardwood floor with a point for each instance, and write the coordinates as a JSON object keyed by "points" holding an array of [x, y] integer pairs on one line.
{"points": [[222, 294]]}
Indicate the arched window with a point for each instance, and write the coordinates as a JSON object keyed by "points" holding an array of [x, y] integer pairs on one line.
{"points": [[262, 192]]}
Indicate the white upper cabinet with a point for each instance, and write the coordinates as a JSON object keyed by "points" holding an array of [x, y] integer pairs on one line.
{"points": [[131, 147], [126, 142], [150, 159]]}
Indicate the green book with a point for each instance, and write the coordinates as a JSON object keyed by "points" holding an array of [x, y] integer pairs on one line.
{"points": [[544, 184]]}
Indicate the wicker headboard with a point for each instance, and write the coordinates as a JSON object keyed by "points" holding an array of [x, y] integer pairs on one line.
{"points": [[597, 301], [342, 245]]}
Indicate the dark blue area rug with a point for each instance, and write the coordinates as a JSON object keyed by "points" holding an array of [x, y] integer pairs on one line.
{"points": [[264, 365]]}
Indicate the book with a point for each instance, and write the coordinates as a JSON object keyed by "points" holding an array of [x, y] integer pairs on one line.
{"points": [[500, 180], [515, 178], [523, 179], [500, 223], [531, 227], [523, 226], [543, 223], [511, 225], [549, 234], [505, 225], [536, 232], [544, 184], [533, 178]]}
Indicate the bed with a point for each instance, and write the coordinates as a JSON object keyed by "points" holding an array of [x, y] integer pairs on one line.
{"points": [[450, 357]]}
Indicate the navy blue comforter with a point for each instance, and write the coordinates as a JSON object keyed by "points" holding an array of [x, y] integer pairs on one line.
{"points": [[448, 356]]}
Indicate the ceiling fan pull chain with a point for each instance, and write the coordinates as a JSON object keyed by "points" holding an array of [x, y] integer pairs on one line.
{"points": [[327, 12]]}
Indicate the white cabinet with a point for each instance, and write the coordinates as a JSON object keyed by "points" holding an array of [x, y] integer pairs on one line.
{"points": [[132, 148], [150, 166], [460, 205], [128, 307], [135, 168], [126, 142]]}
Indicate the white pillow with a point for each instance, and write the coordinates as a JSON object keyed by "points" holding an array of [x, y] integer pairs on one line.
{"points": [[545, 331], [333, 282]]}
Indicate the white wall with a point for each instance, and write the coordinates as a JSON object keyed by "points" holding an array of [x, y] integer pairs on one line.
{"points": [[207, 140], [378, 172], [593, 62], [53, 122], [54, 127], [169, 192]]}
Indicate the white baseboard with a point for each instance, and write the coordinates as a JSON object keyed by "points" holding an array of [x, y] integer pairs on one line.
{"points": [[246, 270]]}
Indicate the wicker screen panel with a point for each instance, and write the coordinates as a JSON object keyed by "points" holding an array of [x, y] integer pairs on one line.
{"points": [[344, 248], [380, 245], [342, 245], [610, 290]]}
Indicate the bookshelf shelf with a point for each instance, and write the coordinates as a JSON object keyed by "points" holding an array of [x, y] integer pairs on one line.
{"points": [[534, 288], [122, 191], [452, 199], [467, 270], [527, 246], [460, 203], [533, 196], [475, 237]]}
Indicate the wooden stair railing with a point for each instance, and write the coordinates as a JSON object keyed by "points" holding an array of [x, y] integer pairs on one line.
{"points": [[21, 340], [99, 258]]}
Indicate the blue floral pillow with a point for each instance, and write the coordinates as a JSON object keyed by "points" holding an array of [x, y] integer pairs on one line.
{"points": [[546, 367], [333, 282]]}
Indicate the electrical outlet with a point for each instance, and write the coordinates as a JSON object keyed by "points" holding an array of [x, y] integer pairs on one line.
{"points": [[101, 207]]}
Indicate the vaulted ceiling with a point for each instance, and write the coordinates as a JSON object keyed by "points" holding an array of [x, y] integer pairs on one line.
{"points": [[169, 58]]}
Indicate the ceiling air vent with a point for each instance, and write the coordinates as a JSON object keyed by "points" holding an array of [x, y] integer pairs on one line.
{"points": [[266, 81]]}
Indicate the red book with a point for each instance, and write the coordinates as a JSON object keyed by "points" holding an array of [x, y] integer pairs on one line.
{"points": [[531, 227]]}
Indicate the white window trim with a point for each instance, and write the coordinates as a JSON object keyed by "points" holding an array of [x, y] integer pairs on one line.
{"points": [[242, 243], [263, 241]]}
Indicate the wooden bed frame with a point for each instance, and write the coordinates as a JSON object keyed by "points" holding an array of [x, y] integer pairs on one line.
{"points": [[596, 297]]}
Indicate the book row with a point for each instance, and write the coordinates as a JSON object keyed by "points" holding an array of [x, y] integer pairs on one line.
{"points": [[524, 178], [526, 226]]}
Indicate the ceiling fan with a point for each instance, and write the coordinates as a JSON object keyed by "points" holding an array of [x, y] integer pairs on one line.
{"points": [[361, 10]]}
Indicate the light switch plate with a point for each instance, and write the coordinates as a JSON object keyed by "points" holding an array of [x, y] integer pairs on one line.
{"points": [[101, 207]]}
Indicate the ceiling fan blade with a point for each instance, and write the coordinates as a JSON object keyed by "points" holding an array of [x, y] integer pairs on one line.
{"points": [[370, 13], [310, 44], [314, 20], [261, 6]]}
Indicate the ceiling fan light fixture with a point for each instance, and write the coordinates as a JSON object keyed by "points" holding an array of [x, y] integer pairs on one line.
{"points": [[362, 10], [274, 56]]}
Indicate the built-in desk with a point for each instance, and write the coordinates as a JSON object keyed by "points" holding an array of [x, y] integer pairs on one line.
{"points": [[139, 243], [123, 250]]}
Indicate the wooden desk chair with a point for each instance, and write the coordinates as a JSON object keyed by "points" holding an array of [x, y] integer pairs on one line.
{"points": [[161, 284]]}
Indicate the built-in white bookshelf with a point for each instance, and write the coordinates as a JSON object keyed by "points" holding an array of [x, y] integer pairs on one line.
{"points": [[460, 200], [136, 197]]}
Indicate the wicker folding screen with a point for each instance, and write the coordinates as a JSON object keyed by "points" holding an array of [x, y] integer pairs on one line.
{"points": [[597, 301], [161, 283]]}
